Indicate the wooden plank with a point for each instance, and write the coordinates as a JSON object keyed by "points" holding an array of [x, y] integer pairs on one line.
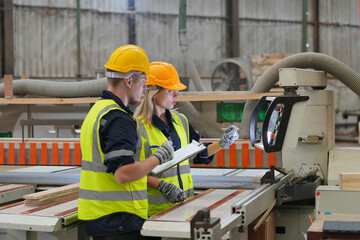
{"points": [[48, 100], [266, 231], [350, 181], [48, 205], [225, 97], [50, 199], [196, 97], [52, 192], [52, 195]]}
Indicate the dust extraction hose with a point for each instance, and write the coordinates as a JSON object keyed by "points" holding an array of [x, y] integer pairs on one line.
{"points": [[93, 88], [316, 61], [90, 88]]}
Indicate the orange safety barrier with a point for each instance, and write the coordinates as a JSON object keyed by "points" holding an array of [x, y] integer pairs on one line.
{"points": [[11, 153], [239, 154], [66, 153], [258, 157], [232, 155], [44, 160], [77, 151], [36, 152], [22, 154], [55, 156], [220, 158], [2, 157], [271, 159], [245, 155], [33, 153]]}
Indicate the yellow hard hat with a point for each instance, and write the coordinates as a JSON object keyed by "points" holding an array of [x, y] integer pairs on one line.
{"points": [[164, 75], [128, 58]]}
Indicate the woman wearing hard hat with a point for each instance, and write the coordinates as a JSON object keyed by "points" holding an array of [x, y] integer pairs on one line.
{"points": [[158, 123]]}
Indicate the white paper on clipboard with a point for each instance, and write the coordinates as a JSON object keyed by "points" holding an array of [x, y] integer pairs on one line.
{"points": [[180, 155]]}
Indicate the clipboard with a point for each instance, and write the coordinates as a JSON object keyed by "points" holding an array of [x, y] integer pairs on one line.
{"points": [[180, 155]]}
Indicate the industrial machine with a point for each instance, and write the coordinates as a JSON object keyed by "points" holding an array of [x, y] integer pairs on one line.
{"points": [[298, 123]]}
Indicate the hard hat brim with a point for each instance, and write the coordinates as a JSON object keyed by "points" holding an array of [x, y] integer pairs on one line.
{"points": [[177, 87]]}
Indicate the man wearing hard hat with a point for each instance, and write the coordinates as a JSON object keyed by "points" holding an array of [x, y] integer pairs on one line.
{"points": [[113, 196]]}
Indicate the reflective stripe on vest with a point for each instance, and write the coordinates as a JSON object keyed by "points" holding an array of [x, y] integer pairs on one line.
{"points": [[154, 136], [113, 195], [100, 193]]}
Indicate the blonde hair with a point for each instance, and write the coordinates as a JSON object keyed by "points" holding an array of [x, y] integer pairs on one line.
{"points": [[145, 109]]}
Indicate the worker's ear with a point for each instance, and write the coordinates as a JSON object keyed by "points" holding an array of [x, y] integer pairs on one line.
{"points": [[128, 82]]}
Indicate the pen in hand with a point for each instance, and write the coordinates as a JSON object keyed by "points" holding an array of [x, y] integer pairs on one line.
{"points": [[156, 146]]}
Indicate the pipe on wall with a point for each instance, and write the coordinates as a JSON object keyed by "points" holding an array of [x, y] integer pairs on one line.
{"points": [[185, 49], [90, 88], [93, 88], [78, 21]]}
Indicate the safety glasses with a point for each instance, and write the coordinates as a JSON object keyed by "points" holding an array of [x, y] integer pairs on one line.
{"points": [[167, 91]]}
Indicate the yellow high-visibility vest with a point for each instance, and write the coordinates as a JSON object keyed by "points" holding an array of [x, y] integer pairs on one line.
{"points": [[153, 136], [100, 193]]}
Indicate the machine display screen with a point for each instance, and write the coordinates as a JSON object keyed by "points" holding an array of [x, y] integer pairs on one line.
{"points": [[274, 123]]}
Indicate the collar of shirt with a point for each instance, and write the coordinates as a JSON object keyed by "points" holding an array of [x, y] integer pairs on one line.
{"points": [[109, 95], [160, 124]]}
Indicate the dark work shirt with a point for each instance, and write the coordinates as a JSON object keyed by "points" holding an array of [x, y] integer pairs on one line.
{"points": [[117, 131], [169, 131]]}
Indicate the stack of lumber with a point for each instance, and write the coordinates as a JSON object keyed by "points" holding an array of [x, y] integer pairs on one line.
{"points": [[350, 181], [261, 62], [52, 195]]}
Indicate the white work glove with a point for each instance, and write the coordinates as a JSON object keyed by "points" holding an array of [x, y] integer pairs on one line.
{"points": [[171, 192], [229, 136], [165, 152]]}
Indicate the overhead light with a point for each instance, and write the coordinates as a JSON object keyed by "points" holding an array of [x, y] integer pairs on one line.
{"points": [[77, 129], [51, 129]]}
